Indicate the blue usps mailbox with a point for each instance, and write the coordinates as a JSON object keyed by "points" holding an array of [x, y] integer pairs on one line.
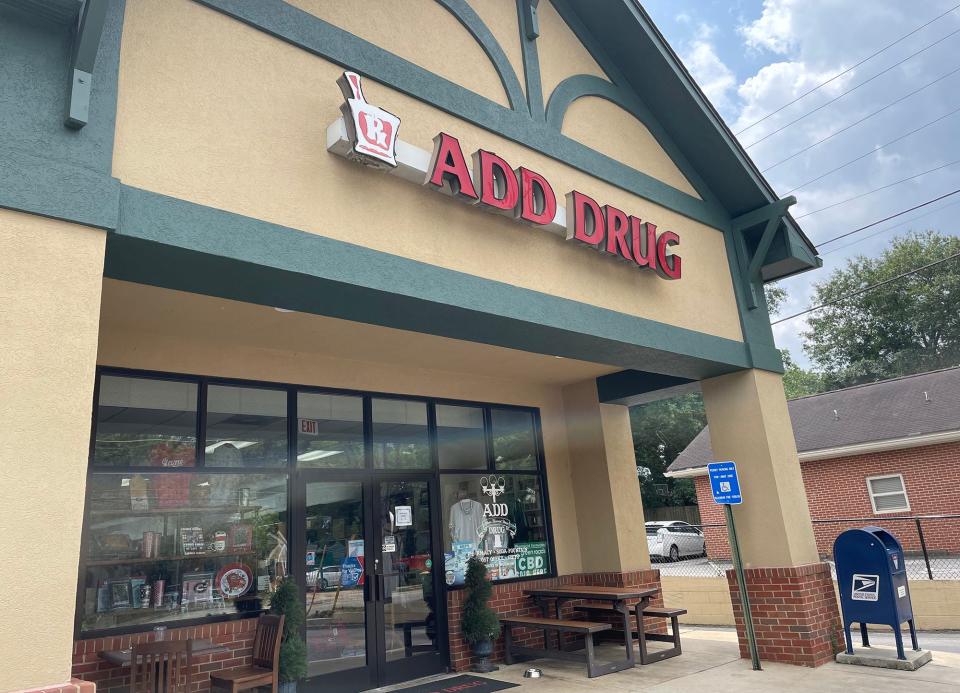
{"points": [[872, 579]]}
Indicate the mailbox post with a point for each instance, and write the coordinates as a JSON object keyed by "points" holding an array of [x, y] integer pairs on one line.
{"points": [[872, 579]]}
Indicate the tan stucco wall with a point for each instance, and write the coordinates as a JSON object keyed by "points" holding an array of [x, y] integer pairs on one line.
{"points": [[203, 133], [427, 35], [750, 424], [604, 472], [622, 137], [707, 600], [561, 53], [936, 603], [49, 312]]}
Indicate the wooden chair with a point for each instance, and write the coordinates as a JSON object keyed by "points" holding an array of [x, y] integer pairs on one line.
{"points": [[266, 660], [161, 667]]}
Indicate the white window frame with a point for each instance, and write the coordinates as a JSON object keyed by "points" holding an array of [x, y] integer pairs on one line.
{"points": [[873, 496]]}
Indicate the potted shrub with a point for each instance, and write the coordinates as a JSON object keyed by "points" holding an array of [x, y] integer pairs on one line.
{"points": [[293, 650], [480, 623]]}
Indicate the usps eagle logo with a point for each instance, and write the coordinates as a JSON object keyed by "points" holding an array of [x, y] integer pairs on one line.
{"points": [[372, 130]]}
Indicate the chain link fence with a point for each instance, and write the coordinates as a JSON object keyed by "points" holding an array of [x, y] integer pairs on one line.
{"points": [[931, 545]]}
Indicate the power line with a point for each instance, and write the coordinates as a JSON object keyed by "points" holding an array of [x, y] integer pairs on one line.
{"points": [[849, 69], [882, 187], [866, 289], [874, 150], [850, 90], [866, 117], [892, 216], [888, 228]]}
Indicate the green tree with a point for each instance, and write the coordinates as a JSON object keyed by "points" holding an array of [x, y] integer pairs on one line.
{"points": [[798, 382], [293, 650], [661, 430], [908, 326], [776, 296], [480, 622]]}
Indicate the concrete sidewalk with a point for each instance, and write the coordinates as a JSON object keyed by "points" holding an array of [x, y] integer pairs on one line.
{"points": [[711, 662]]}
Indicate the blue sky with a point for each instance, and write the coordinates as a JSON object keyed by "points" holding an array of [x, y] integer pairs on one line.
{"points": [[753, 56]]}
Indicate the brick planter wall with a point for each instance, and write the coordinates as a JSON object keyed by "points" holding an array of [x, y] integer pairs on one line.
{"points": [[109, 678], [238, 635], [795, 614], [509, 600]]}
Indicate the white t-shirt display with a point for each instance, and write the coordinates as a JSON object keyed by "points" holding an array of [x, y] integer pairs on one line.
{"points": [[466, 516]]}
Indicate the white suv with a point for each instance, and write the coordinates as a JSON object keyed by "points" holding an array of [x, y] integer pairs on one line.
{"points": [[674, 540]]}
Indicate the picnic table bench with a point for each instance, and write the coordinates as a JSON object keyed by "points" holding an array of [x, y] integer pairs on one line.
{"points": [[616, 597], [646, 657], [585, 628]]}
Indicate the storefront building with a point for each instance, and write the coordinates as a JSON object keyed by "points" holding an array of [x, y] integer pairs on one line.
{"points": [[299, 290]]}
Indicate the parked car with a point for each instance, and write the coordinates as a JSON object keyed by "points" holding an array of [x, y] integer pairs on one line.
{"points": [[673, 540], [323, 578]]}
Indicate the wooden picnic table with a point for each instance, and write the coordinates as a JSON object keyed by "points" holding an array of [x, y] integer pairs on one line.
{"points": [[616, 596], [200, 647]]}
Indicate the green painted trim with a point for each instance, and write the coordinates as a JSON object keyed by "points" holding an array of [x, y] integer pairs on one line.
{"points": [[766, 357], [625, 98], [86, 44], [321, 38], [527, 15], [683, 76], [472, 23], [623, 386], [57, 190], [180, 245]]}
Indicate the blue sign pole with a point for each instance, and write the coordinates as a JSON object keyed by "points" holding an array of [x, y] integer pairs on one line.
{"points": [[725, 485]]}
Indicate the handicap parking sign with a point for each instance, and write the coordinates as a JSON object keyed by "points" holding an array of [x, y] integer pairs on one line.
{"points": [[724, 483]]}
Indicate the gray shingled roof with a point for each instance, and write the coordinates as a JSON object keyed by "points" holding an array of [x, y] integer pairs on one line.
{"points": [[887, 410]]}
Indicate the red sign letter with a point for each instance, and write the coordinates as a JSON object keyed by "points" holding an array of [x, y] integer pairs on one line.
{"points": [[617, 227], [498, 185], [448, 169], [643, 240], [535, 193], [589, 231], [669, 265]]}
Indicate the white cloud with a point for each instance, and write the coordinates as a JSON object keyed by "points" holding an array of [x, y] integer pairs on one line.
{"points": [[712, 74], [774, 30], [779, 83]]}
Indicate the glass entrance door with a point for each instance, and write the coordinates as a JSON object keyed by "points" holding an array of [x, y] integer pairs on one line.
{"points": [[406, 575], [338, 617], [375, 612]]}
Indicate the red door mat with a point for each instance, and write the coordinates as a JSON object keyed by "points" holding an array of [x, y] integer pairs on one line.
{"points": [[455, 684]]}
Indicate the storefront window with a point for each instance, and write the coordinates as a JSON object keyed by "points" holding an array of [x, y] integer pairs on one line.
{"points": [[400, 439], [461, 442], [145, 422], [498, 517], [246, 427], [329, 431], [187, 501], [514, 439], [165, 546]]}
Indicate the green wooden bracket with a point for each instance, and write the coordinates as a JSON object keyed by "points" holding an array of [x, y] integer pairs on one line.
{"points": [[85, 47], [531, 23], [771, 216]]}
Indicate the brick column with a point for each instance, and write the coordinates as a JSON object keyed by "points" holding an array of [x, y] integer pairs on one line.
{"points": [[795, 615], [795, 608]]}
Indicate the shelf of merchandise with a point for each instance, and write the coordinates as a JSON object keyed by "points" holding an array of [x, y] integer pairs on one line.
{"points": [[162, 559]]}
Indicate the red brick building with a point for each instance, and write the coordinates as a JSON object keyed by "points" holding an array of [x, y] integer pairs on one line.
{"points": [[868, 454]]}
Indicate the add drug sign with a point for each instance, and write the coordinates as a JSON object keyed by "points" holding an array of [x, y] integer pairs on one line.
{"points": [[369, 134]]}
